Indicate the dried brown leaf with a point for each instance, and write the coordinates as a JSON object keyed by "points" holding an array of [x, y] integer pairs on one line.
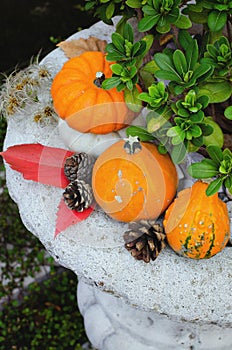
{"points": [[76, 47]]}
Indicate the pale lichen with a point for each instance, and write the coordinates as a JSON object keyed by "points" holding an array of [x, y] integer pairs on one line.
{"points": [[27, 87]]}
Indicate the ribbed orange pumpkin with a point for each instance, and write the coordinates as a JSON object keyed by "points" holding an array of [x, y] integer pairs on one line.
{"points": [[79, 99], [134, 186], [197, 226]]}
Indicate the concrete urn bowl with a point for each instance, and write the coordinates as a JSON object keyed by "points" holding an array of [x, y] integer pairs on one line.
{"points": [[171, 303]]}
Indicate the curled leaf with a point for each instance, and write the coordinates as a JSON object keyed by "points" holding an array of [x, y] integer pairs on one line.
{"points": [[67, 217], [38, 163], [76, 47]]}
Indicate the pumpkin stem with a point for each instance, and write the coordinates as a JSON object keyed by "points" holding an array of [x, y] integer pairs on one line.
{"points": [[132, 145], [100, 77]]}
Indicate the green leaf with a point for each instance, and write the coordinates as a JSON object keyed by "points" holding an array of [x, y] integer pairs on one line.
{"points": [[212, 50], [116, 68], [196, 13], [214, 186], [129, 85], [217, 92], [128, 32], [166, 75], [142, 133], [137, 49], [146, 43], [162, 149], [164, 62], [163, 28], [155, 121], [114, 56], [185, 39], [228, 112], [179, 152], [148, 39], [147, 73], [227, 154], [174, 131], [148, 22], [228, 182], [201, 70], [149, 11], [182, 112], [216, 137], [178, 89], [204, 101], [120, 87], [206, 131], [132, 71], [134, 3], [147, 78], [183, 22], [174, 14], [111, 83], [191, 55], [180, 62], [150, 67], [179, 138], [118, 42], [202, 170], [197, 141], [197, 117], [215, 153], [110, 10], [132, 100], [217, 20], [195, 130]]}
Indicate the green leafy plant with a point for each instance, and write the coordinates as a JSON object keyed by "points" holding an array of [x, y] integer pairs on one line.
{"points": [[182, 69], [106, 9], [184, 74], [46, 316], [129, 55], [212, 13], [218, 167], [160, 14]]}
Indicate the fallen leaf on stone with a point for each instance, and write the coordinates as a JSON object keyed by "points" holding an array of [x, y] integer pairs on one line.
{"points": [[38, 163], [76, 47], [45, 165], [67, 217]]}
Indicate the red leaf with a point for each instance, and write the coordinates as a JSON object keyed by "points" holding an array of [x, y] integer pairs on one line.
{"points": [[67, 217], [38, 163]]}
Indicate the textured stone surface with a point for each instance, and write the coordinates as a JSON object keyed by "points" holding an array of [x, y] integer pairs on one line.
{"points": [[121, 326], [177, 288]]}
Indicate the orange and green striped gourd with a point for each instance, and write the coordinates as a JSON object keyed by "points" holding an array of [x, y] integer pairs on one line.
{"points": [[197, 226]]}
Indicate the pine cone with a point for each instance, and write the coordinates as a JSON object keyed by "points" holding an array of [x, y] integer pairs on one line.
{"points": [[144, 240], [80, 166], [78, 195]]}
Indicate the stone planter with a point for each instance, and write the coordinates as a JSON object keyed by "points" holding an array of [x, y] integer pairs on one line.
{"points": [[171, 303]]}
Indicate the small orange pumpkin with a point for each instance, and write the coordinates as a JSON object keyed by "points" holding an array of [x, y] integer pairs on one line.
{"points": [[133, 181], [197, 226], [79, 99]]}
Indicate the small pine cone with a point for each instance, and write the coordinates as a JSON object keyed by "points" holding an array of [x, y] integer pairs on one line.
{"points": [[144, 240], [79, 165], [78, 195]]}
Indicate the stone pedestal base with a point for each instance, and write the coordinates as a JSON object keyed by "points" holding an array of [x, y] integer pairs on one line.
{"points": [[112, 324]]}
